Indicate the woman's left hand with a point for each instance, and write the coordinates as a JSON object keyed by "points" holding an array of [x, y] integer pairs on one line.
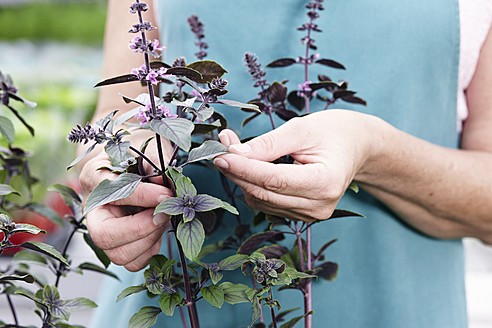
{"points": [[328, 147]]}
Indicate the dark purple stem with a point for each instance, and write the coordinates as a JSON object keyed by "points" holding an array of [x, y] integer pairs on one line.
{"points": [[272, 310], [12, 309]]}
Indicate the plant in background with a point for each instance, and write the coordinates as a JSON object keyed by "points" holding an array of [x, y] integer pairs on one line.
{"points": [[182, 279], [17, 275]]}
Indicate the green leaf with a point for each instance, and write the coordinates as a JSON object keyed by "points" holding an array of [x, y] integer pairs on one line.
{"points": [[111, 190], [184, 186], [215, 276], [234, 103], [191, 235], [6, 189], [170, 206], [80, 302], [293, 321], [214, 295], [46, 212], [229, 208], [130, 291], [145, 317], [15, 277], [118, 152], [177, 130], [208, 69], [29, 256], [69, 195], [237, 293], [99, 252], [29, 228], [96, 268], [208, 150], [81, 156], [354, 187], [168, 303], [233, 262], [203, 128], [45, 249], [7, 129]]}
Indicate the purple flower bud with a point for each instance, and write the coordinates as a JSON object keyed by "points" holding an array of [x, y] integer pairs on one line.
{"points": [[138, 7]]}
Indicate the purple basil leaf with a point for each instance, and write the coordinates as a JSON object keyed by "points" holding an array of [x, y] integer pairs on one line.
{"points": [[324, 247], [188, 213], [328, 85], [111, 190], [295, 100], [118, 79], [277, 92], [208, 69], [252, 243], [286, 114], [177, 130], [273, 251], [249, 119], [208, 150], [344, 213], [330, 62], [343, 93], [186, 72], [171, 206], [328, 270], [355, 100], [205, 203], [283, 62]]}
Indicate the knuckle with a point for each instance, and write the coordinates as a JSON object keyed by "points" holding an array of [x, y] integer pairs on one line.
{"points": [[265, 143], [276, 183], [118, 256]]}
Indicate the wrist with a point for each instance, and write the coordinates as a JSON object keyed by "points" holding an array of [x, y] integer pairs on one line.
{"points": [[376, 142]]}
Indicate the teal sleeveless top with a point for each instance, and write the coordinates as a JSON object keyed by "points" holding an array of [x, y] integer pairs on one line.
{"points": [[402, 58]]}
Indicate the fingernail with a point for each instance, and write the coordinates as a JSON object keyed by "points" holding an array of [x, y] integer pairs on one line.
{"points": [[224, 139], [160, 219], [162, 198], [240, 148], [220, 163]]}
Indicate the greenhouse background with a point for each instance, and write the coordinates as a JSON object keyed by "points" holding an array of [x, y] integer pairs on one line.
{"points": [[52, 49]]}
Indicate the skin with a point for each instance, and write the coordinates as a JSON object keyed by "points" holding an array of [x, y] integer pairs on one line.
{"points": [[443, 192]]}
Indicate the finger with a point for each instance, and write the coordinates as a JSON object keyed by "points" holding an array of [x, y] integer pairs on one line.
{"points": [[228, 137], [291, 207], [308, 181], [274, 144], [109, 229], [142, 261], [146, 195], [128, 253]]}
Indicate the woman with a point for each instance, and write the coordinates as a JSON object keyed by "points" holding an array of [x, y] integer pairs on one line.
{"points": [[425, 183]]}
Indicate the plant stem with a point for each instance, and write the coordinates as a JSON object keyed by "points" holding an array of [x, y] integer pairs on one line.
{"points": [[299, 246], [192, 313], [64, 253], [12, 309], [145, 158], [272, 310], [308, 303]]}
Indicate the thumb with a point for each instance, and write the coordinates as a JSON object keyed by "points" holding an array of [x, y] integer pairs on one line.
{"points": [[272, 145]]}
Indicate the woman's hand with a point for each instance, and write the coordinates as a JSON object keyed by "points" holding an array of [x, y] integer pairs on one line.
{"points": [[328, 147], [126, 230]]}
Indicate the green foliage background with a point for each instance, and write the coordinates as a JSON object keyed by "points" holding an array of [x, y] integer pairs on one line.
{"points": [[61, 104]]}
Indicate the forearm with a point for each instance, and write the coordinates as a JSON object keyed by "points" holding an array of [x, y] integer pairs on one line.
{"points": [[440, 191]]}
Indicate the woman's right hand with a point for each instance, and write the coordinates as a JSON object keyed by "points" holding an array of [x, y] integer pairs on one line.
{"points": [[126, 230]]}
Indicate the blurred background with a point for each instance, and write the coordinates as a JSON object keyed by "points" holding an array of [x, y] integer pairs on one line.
{"points": [[52, 50]]}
